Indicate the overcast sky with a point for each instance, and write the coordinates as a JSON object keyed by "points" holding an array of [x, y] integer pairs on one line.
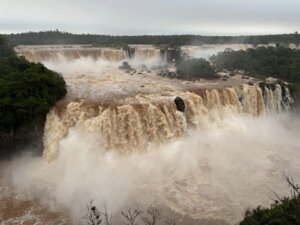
{"points": [[209, 17]]}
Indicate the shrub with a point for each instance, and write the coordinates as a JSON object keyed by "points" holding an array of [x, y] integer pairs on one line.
{"points": [[283, 211], [193, 69]]}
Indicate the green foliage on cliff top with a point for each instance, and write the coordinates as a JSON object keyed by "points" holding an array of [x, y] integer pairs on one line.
{"points": [[27, 91], [193, 69], [279, 62]]}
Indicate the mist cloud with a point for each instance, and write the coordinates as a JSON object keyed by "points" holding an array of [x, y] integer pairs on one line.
{"points": [[212, 173]]}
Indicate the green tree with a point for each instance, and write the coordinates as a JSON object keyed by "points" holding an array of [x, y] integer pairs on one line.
{"points": [[193, 69], [279, 62], [27, 92], [5, 49]]}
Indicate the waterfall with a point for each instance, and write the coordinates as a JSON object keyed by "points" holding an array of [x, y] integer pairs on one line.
{"points": [[132, 124], [45, 54], [155, 119], [147, 53], [56, 53]]}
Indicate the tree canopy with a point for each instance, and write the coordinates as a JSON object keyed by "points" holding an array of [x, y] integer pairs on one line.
{"points": [[58, 37], [5, 49], [193, 69], [279, 62], [27, 91]]}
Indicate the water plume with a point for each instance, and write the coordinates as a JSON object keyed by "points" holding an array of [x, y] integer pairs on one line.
{"points": [[212, 173]]}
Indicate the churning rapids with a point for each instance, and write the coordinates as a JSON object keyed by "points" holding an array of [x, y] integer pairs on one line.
{"points": [[120, 138]]}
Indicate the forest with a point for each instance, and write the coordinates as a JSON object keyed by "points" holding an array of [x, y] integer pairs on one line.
{"points": [[263, 62], [27, 92], [59, 37]]}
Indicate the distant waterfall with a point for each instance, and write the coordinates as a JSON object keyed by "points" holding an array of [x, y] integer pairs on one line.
{"points": [[146, 53], [42, 54]]}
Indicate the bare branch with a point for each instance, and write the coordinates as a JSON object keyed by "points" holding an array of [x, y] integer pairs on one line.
{"points": [[290, 181], [153, 216], [131, 216], [278, 199], [107, 217], [93, 217], [170, 222]]}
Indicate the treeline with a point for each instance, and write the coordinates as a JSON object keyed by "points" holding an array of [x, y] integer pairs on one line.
{"points": [[5, 49], [279, 62], [27, 92], [58, 37]]}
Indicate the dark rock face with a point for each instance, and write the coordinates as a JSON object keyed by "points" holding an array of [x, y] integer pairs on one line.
{"points": [[167, 73], [271, 86], [250, 83], [171, 54], [27, 139], [179, 104], [224, 79], [125, 66]]}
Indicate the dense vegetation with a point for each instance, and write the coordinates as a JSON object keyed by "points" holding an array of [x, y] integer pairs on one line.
{"points": [[27, 92], [57, 37], [279, 62], [284, 211], [193, 69], [5, 50]]}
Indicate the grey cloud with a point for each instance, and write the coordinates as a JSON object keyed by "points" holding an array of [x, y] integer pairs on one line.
{"points": [[151, 17]]}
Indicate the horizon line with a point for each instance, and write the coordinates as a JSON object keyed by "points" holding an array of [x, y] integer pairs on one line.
{"points": [[134, 35]]}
